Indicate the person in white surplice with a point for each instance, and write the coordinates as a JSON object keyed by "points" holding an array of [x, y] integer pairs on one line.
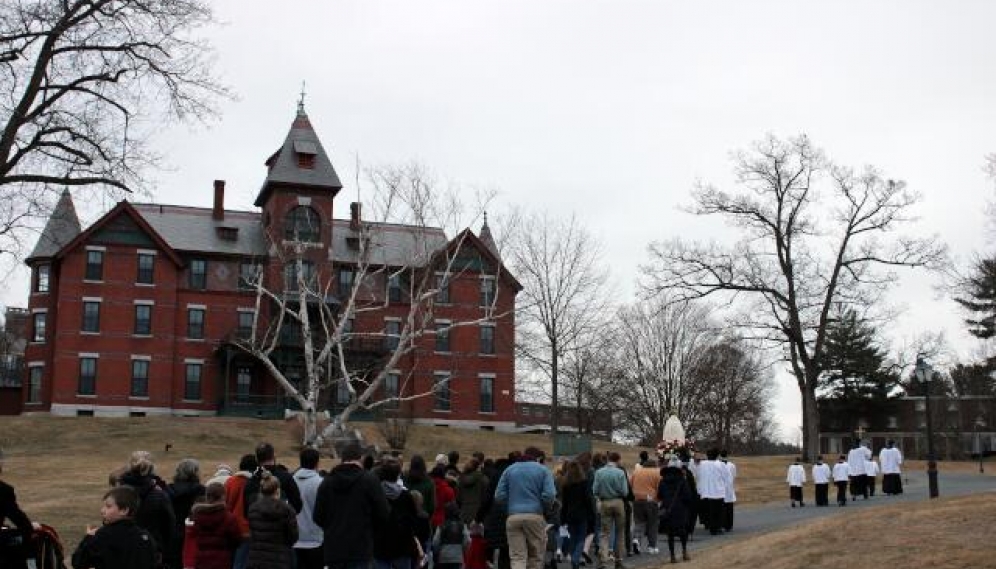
{"points": [[871, 472], [841, 475], [821, 480], [891, 460], [796, 478], [859, 474]]}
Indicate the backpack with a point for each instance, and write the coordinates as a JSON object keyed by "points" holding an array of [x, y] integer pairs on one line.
{"points": [[250, 493]]}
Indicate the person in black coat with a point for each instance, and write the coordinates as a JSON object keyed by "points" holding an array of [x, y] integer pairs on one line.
{"points": [[578, 510], [14, 556], [349, 506], [494, 516], [394, 542], [675, 498], [120, 543], [185, 489], [289, 492], [272, 528], [155, 510]]}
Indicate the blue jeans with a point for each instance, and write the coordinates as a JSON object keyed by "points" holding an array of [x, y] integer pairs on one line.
{"points": [[575, 543], [241, 555], [396, 563]]}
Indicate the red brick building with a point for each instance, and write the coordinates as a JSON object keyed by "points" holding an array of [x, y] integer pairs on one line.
{"points": [[136, 314]]}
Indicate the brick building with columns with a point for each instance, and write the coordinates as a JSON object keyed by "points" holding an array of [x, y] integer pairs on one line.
{"points": [[135, 314]]}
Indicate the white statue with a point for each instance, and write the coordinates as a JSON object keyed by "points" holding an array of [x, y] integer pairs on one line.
{"points": [[673, 431]]}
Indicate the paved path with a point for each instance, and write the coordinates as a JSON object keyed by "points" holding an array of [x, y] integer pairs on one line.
{"points": [[752, 520]]}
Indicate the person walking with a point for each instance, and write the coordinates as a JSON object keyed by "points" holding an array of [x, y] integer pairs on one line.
{"points": [[891, 461], [676, 499], [272, 528], [856, 459], [308, 549], [395, 541], [154, 512], [235, 504], [267, 459], [645, 481], [611, 488], [349, 505], [215, 531], [471, 486], [821, 480], [451, 539], [577, 510], [731, 494], [185, 489], [796, 477], [871, 473], [712, 480], [417, 480], [841, 476], [526, 489]]}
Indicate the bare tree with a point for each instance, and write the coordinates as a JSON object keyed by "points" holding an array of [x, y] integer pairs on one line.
{"points": [[812, 234], [564, 292], [657, 351], [400, 252], [84, 85], [591, 381], [734, 404]]}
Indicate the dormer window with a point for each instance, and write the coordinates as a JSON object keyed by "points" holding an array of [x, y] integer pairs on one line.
{"points": [[227, 233], [305, 152], [302, 224]]}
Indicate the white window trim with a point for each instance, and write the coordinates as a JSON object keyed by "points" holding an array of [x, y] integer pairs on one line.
{"points": [[152, 252], [36, 364], [141, 358], [243, 309], [304, 200], [197, 307], [93, 299], [96, 248], [145, 302], [392, 319], [199, 361], [89, 355], [39, 310], [487, 375]]}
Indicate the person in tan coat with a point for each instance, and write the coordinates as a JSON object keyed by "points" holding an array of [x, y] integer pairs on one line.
{"points": [[645, 480]]}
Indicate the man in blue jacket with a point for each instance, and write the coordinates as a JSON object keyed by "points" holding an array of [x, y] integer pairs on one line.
{"points": [[527, 489]]}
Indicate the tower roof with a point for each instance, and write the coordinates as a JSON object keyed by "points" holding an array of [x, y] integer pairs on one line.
{"points": [[300, 162], [62, 227], [487, 238]]}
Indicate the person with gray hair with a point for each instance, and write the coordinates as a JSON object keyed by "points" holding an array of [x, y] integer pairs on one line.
{"points": [[155, 510], [185, 489]]}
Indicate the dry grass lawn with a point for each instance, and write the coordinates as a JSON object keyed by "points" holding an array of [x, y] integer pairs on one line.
{"points": [[948, 533]]}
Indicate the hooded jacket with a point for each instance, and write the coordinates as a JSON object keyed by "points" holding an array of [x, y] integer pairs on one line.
{"points": [[470, 493], [349, 506], [396, 537], [117, 545], [309, 534], [235, 499], [273, 529], [216, 533]]}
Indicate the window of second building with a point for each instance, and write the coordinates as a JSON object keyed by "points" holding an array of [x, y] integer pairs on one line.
{"points": [[35, 383], [249, 273], [195, 323], [146, 268], [38, 327], [487, 394], [441, 387], [392, 389], [245, 324], [94, 265], [392, 334], [143, 319], [198, 274], [139, 378], [345, 281], [487, 339], [442, 335], [488, 287], [91, 316], [394, 288], [88, 376], [243, 384], [42, 273], [192, 382]]}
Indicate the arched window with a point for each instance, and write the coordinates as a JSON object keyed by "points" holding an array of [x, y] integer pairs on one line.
{"points": [[290, 275], [302, 224]]}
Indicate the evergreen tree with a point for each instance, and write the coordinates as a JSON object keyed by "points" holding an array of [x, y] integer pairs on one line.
{"points": [[978, 297], [854, 363]]}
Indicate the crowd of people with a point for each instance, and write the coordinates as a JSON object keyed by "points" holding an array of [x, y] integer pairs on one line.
{"points": [[515, 512], [856, 470]]}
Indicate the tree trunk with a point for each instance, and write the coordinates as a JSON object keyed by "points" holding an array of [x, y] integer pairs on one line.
{"points": [[554, 407], [811, 423]]}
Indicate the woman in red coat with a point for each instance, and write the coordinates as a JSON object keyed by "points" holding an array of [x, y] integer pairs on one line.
{"points": [[215, 531], [444, 495]]}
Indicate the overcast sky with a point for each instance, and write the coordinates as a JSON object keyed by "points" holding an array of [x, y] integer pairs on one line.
{"points": [[612, 110]]}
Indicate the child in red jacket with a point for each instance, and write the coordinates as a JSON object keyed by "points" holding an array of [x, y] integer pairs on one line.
{"points": [[215, 531]]}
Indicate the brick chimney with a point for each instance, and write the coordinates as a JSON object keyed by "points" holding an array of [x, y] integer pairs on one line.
{"points": [[354, 216], [218, 213]]}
